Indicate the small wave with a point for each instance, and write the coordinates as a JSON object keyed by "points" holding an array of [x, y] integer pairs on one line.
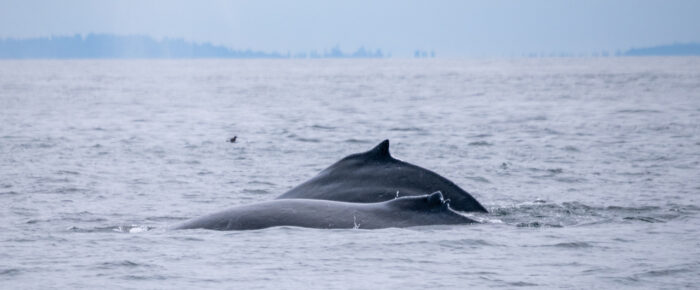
{"points": [[689, 208], [544, 214], [478, 179], [572, 245], [633, 111], [322, 127], [10, 272], [480, 143], [357, 141], [407, 129], [304, 139], [467, 242], [522, 284], [67, 218], [639, 173], [67, 172], [164, 218], [145, 278], [258, 182], [54, 180], [663, 127], [538, 225], [187, 239], [45, 145], [571, 179], [571, 149], [644, 219], [523, 119], [664, 272], [549, 171], [70, 189], [119, 264], [255, 191], [205, 172], [539, 118], [552, 131]]}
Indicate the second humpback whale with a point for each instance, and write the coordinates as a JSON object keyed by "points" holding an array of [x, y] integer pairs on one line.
{"points": [[408, 211], [375, 176]]}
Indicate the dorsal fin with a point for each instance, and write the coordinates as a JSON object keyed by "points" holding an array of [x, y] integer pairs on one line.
{"points": [[380, 151]]}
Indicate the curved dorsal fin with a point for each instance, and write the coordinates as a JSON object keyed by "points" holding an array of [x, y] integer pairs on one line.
{"points": [[380, 151]]}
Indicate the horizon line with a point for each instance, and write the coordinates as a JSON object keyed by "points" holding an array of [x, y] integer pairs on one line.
{"points": [[142, 46]]}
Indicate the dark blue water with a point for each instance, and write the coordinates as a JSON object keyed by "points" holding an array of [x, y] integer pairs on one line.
{"points": [[589, 168]]}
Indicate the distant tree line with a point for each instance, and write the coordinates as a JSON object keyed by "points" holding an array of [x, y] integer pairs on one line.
{"points": [[136, 46], [423, 54], [336, 52], [679, 49], [676, 49]]}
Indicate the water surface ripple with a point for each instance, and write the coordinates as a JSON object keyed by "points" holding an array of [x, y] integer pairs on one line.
{"points": [[589, 168]]}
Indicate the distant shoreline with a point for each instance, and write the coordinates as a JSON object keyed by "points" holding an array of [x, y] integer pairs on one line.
{"points": [[108, 46], [494, 58], [676, 49]]}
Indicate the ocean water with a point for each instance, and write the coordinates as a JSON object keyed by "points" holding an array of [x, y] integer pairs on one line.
{"points": [[589, 168]]}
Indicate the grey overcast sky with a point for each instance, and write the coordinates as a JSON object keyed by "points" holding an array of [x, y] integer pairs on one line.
{"points": [[451, 28]]}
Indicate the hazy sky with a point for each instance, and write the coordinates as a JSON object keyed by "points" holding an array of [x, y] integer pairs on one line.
{"points": [[451, 28]]}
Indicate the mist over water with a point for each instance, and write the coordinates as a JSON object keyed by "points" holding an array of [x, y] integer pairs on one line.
{"points": [[588, 168]]}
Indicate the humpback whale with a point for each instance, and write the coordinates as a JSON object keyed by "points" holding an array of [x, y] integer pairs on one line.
{"points": [[407, 211], [375, 176]]}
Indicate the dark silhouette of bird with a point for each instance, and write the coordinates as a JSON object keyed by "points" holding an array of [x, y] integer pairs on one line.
{"points": [[233, 140]]}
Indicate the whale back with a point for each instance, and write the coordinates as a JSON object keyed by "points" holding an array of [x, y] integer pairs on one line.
{"points": [[408, 211], [429, 202], [375, 176], [430, 209]]}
